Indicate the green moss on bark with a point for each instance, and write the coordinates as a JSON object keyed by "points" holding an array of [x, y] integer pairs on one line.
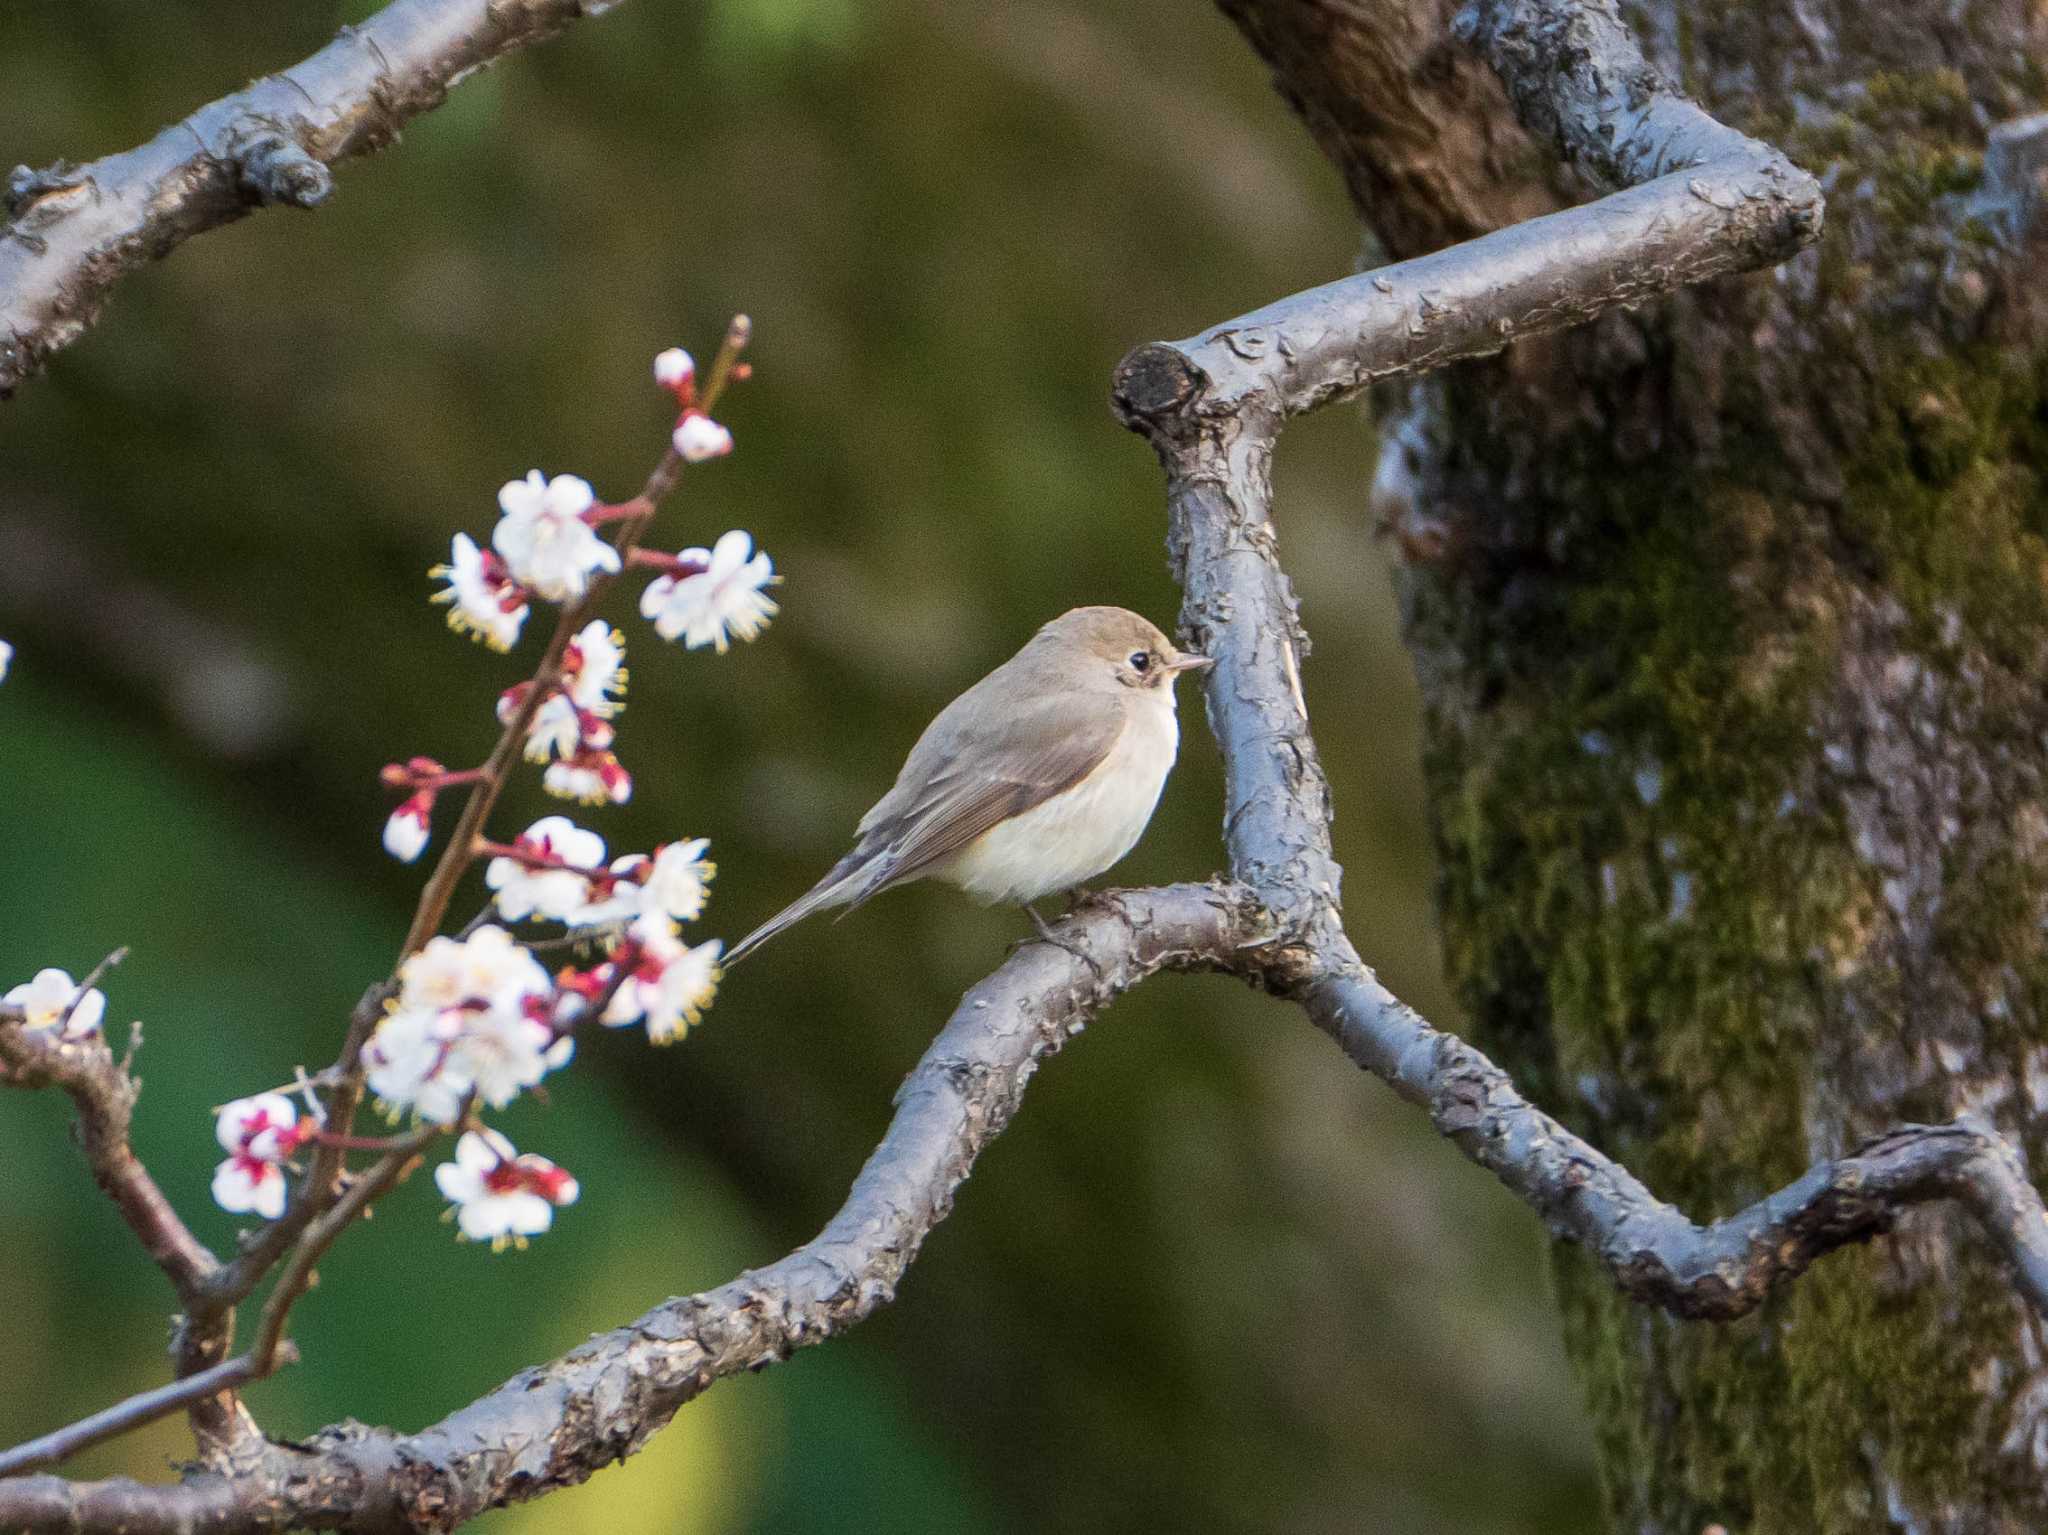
{"points": [[1739, 802]]}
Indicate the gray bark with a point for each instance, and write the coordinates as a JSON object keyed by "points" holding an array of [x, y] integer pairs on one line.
{"points": [[1727, 615]]}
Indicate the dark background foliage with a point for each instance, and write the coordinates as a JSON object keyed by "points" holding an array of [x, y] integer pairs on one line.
{"points": [[1212, 1278]]}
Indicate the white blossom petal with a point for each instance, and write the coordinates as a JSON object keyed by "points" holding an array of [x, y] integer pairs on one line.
{"points": [[244, 1185], [698, 438], [481, 603], [671, 367], [727, 598], [46, 1000], [407, 831], [499, 1196], [679, 881], [544, 540]]}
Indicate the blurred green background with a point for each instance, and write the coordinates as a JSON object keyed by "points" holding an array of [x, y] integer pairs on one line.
{"points": [[1212, 1279]]}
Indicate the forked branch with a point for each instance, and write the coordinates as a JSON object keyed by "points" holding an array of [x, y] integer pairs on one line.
{"points": [[1696, 200], [559, 1424]]}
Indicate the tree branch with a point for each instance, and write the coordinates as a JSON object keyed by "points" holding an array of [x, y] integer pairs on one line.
{"points": [[1655, 1254], [1239, 608], [1213, 407], [556, 1425], [73, 231], [1699, 200], [104, 1095], [135, 1411], [364, 1189]]}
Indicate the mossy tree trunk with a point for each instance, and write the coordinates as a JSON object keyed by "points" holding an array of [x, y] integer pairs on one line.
{"points": [[1732, 622]]}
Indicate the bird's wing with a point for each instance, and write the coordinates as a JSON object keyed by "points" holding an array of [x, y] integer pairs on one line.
{"points": [[1012, 761], [946, 795]]}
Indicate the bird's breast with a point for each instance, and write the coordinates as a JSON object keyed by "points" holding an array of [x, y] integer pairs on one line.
{"points": [[1073, 836]]}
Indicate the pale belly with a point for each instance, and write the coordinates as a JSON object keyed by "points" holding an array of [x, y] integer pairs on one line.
{"points": [[1074, 836]]}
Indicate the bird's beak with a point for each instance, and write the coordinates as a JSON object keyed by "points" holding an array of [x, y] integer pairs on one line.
{"points": [[1189, 663]]}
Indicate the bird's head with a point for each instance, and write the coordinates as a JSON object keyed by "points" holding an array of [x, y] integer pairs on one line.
{"points": [[1117, 647]]}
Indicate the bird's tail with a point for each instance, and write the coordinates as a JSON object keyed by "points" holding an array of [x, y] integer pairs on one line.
{"points": [[841, 887]]}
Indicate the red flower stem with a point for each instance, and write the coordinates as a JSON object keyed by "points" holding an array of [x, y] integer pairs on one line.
{"points": [[449, 780], [357, 1142], [532, 860], [667, 564]]}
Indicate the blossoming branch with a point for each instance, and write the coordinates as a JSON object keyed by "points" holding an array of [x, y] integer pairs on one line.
{"points": [[471, 1020]]}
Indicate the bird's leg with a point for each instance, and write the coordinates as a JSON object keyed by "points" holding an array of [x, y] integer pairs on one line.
{"points": [[1047, 935]]}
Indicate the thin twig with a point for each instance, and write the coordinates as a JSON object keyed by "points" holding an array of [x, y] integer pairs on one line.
{"points": [[92, 978], [134, 1412], [297, 1278], [86, 1071]]}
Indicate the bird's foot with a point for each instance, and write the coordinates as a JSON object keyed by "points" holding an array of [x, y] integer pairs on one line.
{"points": [[1047, 935]]}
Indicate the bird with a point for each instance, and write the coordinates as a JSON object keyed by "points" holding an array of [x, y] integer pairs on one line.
{"points": [[1035, 780]]}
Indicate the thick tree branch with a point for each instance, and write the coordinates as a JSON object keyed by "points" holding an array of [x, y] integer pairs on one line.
{"points": [[1239, 608], [556, 1425], [1212, 408], [73, 231], [1577, 78], [1654, 1252], [1698, 200]]}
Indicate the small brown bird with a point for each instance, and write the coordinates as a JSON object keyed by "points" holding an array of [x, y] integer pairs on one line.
{"points": [[1035, 779]]}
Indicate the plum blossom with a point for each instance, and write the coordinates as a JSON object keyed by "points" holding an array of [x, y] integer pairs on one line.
{"points": [[725, 596], [6, 659], [450, 972], [544, 538], [594, 669], [670, 983], [499, 1196], [51, 996], [409, 827], [678, 882], [559, 728], [698, 438], [468, 1018], [674, 367], [259, 1134], [622, 902], [551, 877], [589, 778], [575, 718], [483, 600], [672, 882]]}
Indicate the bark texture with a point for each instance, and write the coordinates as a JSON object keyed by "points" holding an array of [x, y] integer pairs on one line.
{"points": [[1730, 620], [72, 232]]}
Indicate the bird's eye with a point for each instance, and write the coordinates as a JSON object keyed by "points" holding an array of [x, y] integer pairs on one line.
{"points": [[1141, 661]]}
